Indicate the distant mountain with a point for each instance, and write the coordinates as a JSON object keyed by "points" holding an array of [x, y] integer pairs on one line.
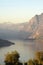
{"points": [[32, 29], [36, 27], [4, 43]]}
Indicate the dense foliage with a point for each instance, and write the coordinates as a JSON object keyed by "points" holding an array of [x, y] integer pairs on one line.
{"points": [[13, 59]]}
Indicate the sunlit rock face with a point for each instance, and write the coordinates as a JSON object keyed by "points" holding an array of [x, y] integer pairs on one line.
{"points": [[36, 27], [33, 29]]}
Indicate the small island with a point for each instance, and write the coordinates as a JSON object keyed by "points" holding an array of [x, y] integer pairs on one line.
{"points": [[5, 43]]}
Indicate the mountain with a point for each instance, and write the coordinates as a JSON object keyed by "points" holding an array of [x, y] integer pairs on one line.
{"points": [[33, 29], [4, 43]]}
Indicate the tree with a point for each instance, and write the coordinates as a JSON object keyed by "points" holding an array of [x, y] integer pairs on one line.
{"points": [[30, 62], [39, 57], [12, 58]]}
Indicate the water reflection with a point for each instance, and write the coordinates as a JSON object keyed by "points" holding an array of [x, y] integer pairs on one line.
{"points": [[26, 49]]}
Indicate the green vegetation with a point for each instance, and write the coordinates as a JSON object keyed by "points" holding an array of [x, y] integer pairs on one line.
{"points": [[13, 59], [38, 60]]}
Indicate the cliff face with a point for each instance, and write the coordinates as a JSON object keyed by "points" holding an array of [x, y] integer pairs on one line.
{"points": [[32, 29], [35, 27]]}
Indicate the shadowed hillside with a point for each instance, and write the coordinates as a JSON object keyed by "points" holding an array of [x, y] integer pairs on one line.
{"points": [[4, 43]]}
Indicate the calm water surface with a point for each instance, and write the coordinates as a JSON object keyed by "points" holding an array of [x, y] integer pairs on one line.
{"points": [[26, 50]]}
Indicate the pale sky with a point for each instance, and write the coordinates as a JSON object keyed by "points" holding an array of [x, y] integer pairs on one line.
{"points": [[19, 11]]}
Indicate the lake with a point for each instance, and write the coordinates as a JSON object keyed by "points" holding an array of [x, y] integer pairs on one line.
{"points": [[25, 48]]}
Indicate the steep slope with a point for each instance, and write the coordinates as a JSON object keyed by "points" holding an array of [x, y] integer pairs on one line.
{"points": [[36, 27], [4, 43], [29, 30]]}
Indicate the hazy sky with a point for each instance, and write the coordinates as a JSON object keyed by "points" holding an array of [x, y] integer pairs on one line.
{"points": [[19, 10]]}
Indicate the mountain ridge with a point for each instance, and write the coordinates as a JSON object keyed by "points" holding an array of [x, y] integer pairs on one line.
{"points": [[4, 43], [32, 29]]}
